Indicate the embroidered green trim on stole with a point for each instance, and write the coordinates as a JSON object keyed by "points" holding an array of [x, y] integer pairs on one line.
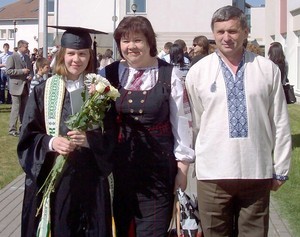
{"points": [[54, 97]]}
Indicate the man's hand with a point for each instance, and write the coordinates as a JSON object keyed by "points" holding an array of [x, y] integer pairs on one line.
{"points": [[26, 71], [276, 184]]}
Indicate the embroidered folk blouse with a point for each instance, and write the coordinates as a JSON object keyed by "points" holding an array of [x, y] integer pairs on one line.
{"points": [[180, 115], [240, 121]]}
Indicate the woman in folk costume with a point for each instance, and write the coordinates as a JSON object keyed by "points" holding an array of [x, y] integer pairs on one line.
{"points": [[80, 205], [155, 137]]}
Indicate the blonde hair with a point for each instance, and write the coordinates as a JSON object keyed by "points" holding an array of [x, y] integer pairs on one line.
{"points": [[60, 67]]}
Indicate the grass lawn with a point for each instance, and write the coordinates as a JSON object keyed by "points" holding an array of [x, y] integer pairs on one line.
{"points": [[9, 164], [287, 197]]}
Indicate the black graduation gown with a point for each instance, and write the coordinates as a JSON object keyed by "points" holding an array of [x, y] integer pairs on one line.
{"points": [[80, 205]]}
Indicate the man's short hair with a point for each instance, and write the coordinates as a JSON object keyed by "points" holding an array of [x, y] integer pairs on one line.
{"points": [[229, 12]]}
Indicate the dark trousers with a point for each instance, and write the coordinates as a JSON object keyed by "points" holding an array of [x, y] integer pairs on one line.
{"points": [[143, 203], [234, 207], [3, 80], [146, 216]]}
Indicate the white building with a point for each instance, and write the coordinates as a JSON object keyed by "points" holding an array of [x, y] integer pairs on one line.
{"points": [[19, 21], [282, 24], [171, 19]]}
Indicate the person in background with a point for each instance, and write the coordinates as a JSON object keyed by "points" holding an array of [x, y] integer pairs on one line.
{"points": [[20, 72], [241, 131], [80, 205], [276, 55], [4, 78], [52, 58], [99, 58], [165, 50], [34, 55], [42, 68], [253, 48], [153, 153], [182, 45], [39, 54], [106, 58], [177, 60], [201, 48]]}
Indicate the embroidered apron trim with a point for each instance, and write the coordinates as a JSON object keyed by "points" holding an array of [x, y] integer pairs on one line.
{"points": [[54, 97]]}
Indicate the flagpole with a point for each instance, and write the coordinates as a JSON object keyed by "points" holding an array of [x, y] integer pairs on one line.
{"points": [[114, 18], [45, 23]]}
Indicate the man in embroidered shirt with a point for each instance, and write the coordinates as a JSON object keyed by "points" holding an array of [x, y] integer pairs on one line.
{"points": [[241, 131]]}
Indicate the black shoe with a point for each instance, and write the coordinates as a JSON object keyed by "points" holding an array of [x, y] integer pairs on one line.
{"points": [[8, 102], [13, 133]]}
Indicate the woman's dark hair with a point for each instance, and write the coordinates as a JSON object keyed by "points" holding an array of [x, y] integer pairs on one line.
{"points": [[276, 54], [203, 42], [176, 55], [136, 24]]}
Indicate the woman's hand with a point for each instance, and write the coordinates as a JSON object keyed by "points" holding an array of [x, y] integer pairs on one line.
{"points": [[181, 177], [78, 138], [63, 146]]}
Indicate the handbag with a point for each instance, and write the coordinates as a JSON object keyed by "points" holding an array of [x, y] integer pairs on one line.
{"points": [[185, 220], [289, 93]]}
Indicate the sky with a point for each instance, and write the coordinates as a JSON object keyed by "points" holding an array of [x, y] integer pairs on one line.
{"points": [[255, 3], [6, 2]]}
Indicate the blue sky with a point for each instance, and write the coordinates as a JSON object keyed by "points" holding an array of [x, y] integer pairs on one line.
{"points": [[6, 2], [255, 2], [251, 2]]}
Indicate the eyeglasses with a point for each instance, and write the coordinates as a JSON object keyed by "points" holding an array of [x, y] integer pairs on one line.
{"points": [[194, 45]]}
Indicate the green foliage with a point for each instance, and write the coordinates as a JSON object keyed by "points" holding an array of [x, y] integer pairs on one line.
{"points": [[288, 195]]}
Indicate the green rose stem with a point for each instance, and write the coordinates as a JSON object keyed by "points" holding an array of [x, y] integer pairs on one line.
{"points": [[44, 228]]}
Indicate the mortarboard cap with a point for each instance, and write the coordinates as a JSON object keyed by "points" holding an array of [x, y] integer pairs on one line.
{"points": [[77, 37]]}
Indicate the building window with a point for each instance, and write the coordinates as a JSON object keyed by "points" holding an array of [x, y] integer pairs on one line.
{"points": [[11, 34], [3, 34], [50, 5], [51, 40], [140, 4]]}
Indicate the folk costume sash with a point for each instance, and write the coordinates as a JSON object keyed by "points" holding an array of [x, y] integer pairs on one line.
{"points": [[54, 97]]}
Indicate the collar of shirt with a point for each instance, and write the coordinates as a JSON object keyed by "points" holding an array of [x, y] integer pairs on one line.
{"points": [[224, 66], [73, 85], [149, 77]]}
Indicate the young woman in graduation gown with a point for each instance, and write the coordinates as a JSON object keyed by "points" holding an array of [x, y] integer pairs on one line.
{"points": [[80, 205]]}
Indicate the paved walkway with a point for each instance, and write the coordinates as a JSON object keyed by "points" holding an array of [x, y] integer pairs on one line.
{"points": [[11, 203]]}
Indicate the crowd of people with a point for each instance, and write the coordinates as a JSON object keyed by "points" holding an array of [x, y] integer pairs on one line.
{"points": [[218, 105]]}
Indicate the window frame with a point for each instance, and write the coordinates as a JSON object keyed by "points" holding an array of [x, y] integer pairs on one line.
{"points": [[129, 3]]}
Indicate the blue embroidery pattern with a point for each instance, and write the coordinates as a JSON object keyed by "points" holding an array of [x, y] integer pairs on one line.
{"points": [[236, 101]]}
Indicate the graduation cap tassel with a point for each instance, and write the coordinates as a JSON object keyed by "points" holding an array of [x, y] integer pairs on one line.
{"points": [[95, 54]]}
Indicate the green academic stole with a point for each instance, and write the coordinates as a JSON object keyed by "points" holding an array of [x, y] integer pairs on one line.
{"points": [[54, 97], [53, 100]]}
